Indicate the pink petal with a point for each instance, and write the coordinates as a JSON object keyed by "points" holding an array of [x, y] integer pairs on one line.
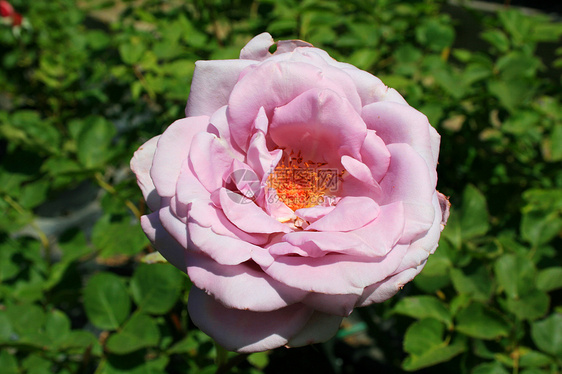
{"points": [[319, 328], [172, 149], [207, 215], [240, 286], [212, 84], [163, 241], [321, 124], [173, 225], [247, 216], [384, 290], [314, 213], [372, 89], [245, 331], [333, 274], [397, 123], [223, 249], [383, 233], [318, 244], [189, 188], [219, 126], [273, 84], [258, 48], [375, 155], [210, 160], [350, 213], [337, 305], [409, 181], [140, 165]]}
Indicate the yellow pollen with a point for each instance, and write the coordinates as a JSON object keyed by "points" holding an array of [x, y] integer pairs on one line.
{"points": [[301, 184]]}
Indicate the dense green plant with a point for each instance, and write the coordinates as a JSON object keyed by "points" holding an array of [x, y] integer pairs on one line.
{"points": [[85, 83]]}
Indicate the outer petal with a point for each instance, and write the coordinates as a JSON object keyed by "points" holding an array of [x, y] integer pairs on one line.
{"points": [[257, 48], [334, 274], [408, 180], [211, 85], [397, 123], [319, 328], [337, 305], [319, 244], [210, 160], [244, 331], [172, 149], [163, 241], [225, 250], [384, 290], [140, 165], [240, 286]]}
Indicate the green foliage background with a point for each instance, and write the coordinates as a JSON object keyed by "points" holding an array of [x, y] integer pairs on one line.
{"points": [[84, 83]]}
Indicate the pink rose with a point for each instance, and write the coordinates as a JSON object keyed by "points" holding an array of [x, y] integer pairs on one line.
{"points": [[296, 189]]}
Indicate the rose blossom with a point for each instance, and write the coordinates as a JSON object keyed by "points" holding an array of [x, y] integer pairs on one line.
{"points": [[296, 189]]}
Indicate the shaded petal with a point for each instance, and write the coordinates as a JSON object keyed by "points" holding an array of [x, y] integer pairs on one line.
{"points": [[338, 305], [245, 331], [331, 274], [319, 328], [212, 84], [351, 213], [240, 286], [189, 188], [321, 124], [219, 126], [314, 213], [248, 216], [140, 165], [375, 155], [163, 241], [384, 290], [173, 225], [172, 149]]}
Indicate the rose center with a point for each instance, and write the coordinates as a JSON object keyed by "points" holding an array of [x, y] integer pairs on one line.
{"points": [[302, 184]]}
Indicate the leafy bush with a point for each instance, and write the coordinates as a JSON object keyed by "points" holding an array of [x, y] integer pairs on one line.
{"points": [[85, 83]]}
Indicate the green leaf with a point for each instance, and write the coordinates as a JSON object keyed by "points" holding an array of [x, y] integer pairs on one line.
{"points": [[470, 220], [475, 282], [490, 368], [132, 50], [93, 141], [424, 342], [497, 38], [8, 363], [259, 359], [156, 287], [435, 34], [421, 307], [118, 235], [539, 227], [6, 330], [515, 274], [57, 326], [530, 358], [136, 363], [530, 306], [26, 318], [549, 279], [106, 301], [479, 322], [555, 144], [139, 332], [547, 334]]}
